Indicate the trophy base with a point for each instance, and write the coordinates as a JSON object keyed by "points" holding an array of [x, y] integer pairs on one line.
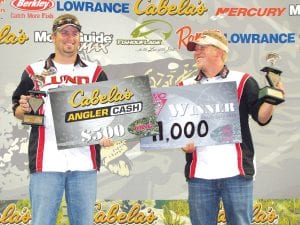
{"points": [[271, 95], [33, 120]]}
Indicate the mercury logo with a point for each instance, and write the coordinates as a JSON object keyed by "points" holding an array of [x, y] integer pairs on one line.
{"points": [[294, 10], [250, 11]]}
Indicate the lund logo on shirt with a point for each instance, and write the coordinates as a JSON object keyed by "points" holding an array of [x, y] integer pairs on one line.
{"points": [[65, 79]]}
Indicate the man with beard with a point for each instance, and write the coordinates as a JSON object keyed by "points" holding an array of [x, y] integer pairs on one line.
{"points": [[54, 172]]}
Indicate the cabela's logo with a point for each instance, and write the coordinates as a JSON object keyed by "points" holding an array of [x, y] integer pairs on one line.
{"points": [[32, 5], [163, 7], [7, 37]]}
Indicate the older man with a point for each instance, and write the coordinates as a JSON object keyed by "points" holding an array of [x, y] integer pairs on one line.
{"points": [[223, 172]]}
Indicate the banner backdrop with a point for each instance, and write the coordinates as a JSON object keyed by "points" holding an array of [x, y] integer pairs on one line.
{"points": [[149, 37]]}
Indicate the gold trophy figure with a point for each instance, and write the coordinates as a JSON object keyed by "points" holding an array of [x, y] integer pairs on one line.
{"points": [[270, 93]]}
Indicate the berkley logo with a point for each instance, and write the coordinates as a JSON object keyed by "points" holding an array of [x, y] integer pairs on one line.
{"points": [[32, 5]]}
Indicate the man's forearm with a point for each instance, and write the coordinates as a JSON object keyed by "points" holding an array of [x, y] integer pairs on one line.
{"points": [[265, 112]]}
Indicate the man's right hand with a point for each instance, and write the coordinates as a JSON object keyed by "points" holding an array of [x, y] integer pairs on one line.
{"points": [[24, 105], [106, 142], [189, 148]]}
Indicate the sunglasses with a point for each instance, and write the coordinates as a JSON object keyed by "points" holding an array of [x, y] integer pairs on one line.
{"points": [[64, 21]]}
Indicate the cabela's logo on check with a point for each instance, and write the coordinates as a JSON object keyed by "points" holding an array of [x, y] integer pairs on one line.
{"points": [[79, 99], [118, 109]]}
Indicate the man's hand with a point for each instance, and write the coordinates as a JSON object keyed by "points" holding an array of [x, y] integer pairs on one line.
{"points": [[280, 86], [266, 109], [189, 148], [106, 142], [24, 105]]}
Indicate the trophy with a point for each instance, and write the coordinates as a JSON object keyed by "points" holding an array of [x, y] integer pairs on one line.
{"points": [[35, 102], [270, 93]]}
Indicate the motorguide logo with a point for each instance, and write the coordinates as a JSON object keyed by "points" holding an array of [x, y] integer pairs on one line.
{"points": [[32, 5], [98, 42]]}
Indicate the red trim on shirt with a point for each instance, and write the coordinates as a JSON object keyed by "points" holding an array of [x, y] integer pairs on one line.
{"points": [[40, 149], [93, 155], [29, 70], [241, 86], [97, 73], [92, 147], [237, 145], [41, 130], [240, 158], [31, 73], [193, 164]]}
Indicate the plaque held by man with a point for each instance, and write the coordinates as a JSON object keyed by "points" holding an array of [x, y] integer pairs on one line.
{"points": [[271, 94]]}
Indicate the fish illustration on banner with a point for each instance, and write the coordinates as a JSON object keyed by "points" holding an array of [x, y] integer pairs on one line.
{"points": [[159, 26]]}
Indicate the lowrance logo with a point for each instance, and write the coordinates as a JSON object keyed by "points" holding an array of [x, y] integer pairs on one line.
{"points": [[255, 38], [294, 10], [32, 5]]}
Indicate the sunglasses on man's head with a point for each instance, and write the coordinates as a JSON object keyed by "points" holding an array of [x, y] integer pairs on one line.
{"points": [[64, 21]]}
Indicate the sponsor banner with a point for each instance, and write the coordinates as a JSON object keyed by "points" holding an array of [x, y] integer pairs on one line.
{"points": [[183, 8], [154, 212], [9, 37], [294, 9], [186, 34], [250, 11], [205, 114], [117, 109], [93, 6], [35, 5], [151, 40]]}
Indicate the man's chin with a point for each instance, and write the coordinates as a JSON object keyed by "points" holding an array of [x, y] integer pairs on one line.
{"points": [[70, 51], [199, 65]]}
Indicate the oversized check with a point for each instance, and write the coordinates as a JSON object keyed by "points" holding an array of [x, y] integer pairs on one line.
{"points": [[206, 114], [117, 109]]}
